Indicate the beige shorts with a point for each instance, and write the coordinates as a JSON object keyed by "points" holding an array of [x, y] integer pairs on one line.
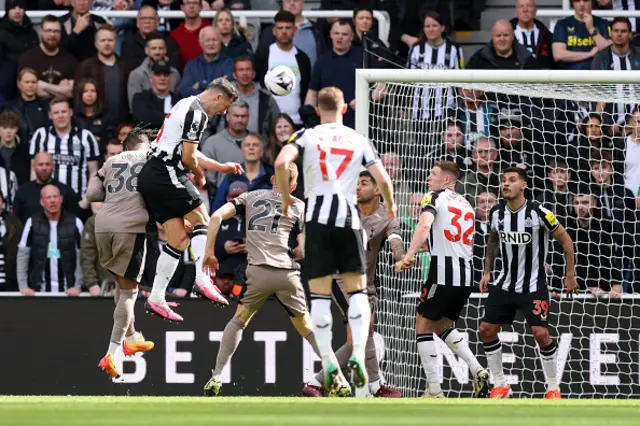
{"points": [[263, 281], [122, 254]]}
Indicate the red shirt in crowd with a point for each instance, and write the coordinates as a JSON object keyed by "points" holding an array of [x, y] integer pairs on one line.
{"points": [[188, 42]]}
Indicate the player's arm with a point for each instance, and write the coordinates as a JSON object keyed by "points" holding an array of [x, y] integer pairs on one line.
{"points": [[209, 164], [95, 190], [420, 235], [225, 212], [287, 155], [566, 242], [190, 158], [386, 187], [299, 251], [394, 236]]}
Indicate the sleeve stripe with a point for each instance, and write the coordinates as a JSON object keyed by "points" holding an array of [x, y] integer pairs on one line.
{"points": [[25, 239]]}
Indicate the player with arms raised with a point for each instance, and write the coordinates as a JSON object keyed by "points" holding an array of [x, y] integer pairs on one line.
{"points": [[121, 226], [332, 155], [172, 197], [448, 221], [520, 230], [271, 269]]}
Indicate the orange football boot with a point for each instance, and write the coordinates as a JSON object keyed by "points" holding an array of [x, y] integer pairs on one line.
{"points": [[553, 394], [109, 367], [141, 345], [501, 392]]}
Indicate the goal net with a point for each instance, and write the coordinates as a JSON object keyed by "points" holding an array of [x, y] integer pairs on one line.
{"points": [[578, 137]]}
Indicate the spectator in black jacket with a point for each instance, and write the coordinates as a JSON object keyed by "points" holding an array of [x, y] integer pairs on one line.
{"points": [[234, 42], [10, 232], [14, 152], [7, 82], [532, 33], [16, 31], [32, 110], [79, 29], [89, 113], [502, 52], [151, 106]]}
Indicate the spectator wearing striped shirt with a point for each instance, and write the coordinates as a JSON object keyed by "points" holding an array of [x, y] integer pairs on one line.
{"points": [[75, 151], [532, 33], [10, 231], [48, 253]]}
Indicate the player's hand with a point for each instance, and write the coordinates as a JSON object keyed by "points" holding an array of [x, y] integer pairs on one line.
{"points": [[615, 294], [571, 285], [352, 104], [233, 247], [94, 291], [392, 210], [82, 23], [74, 291], [234, 168], [198, 180], [484, 283], [298, 253], [28, 291], [211, 261]]}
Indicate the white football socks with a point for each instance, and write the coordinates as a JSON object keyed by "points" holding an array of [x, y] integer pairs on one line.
{"points": [[549, 357], [166, 267], [322, 325], [198, 244], [429, 358], [359, 316], [493, 351], [459, 346]]}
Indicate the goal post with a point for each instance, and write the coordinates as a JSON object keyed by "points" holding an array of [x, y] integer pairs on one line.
{"points": [[542, 121]]}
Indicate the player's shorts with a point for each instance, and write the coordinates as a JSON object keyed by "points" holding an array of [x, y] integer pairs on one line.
{"points": [[123, 254], [341, 298], [501, 306], [263, 281], [329, 250], [442, 301], [167, 193]]}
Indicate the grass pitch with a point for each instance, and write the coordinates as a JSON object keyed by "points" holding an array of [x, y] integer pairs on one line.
{"points": [[175, 411]]}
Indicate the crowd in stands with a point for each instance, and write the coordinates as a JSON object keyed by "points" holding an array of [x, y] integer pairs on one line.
{"points": [[73, 86]]}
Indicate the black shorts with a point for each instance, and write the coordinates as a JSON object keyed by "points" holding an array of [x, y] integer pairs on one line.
{"points": [[501, 307], [330, 250], [168, 193], [442, 301]]}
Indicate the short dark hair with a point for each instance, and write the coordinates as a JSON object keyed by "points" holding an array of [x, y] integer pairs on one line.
{"points": [[106, 27], [244, 58], [154, 35], [622, 20], [367, 174], [558, 163], [225, 87], [50, 18], [522, 173], [362, 8], [582, 189], [59, 100], [284, 16], [344, 21], [9, 120], [133, 139], [598, 157], [450, 167]]}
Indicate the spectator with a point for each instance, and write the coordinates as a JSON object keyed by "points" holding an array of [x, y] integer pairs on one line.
{"points": [[262, 105], [135, 45], [578, 38], [48, 253], [412, 14], [401, 188], [379, 54], [591, 139], [337, 69], [503, 52], [10, 231], [455, 149], [55, 67], [486, 176], [92, 271], [108, 71], [283, 52], [532, 33], [281, 129], [75, 151], [16, 31], [210, 65], [166, 25], [79, 30], [14, 152], [121, 25], [113, 148], [631, 154], [631, 5], [27, 201], [598, 263], [231, 4], [257, 174], [188, 33], [8, 187], [234, 41], [307, 36], [225, 146], [620, 56], [139, 79], [89, 111], [150, 107], [123, 131], [558, 196], [474, 114], [31, 109], [486, 201]]}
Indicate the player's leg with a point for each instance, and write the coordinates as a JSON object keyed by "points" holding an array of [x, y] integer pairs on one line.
{"points": [[203, 287]]}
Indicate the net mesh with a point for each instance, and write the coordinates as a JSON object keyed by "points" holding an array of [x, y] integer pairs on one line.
{"points": [[580, 145]]}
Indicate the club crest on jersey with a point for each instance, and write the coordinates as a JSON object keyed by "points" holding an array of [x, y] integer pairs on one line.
{"points": [[528, 222], [515, 238]]}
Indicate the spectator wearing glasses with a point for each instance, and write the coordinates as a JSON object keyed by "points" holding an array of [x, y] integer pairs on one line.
{"points": [[188, 33]]}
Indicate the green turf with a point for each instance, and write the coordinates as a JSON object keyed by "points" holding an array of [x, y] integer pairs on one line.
{"points": [[137, 411]]}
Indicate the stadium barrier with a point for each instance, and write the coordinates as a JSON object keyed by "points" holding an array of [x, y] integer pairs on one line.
{"points": [[53, 345]]}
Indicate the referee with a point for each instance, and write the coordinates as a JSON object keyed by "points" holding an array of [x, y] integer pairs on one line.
{"points": [[75, 151]]}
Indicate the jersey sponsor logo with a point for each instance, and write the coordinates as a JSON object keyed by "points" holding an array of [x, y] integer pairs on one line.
{"points": [[515, 238], [575, 41], [551, 218], [66, 160]]}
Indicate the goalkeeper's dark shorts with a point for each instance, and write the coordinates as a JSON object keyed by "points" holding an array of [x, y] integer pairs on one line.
{"points": [[442, 301], [501, 306]]}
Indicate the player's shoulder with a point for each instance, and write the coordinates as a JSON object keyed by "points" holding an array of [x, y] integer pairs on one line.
{"points": [[298, 136], [430, 198], [500, 205]]}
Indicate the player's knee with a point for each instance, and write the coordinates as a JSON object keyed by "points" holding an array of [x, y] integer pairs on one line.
{"points": [[302, 324], [488, 332], [243, 314], [542, 336]]}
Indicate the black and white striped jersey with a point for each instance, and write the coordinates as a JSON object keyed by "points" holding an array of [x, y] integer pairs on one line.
{"points": [[8, 187], [71, 154], [430, 101], [332, 155], [184, 123], [451, 238], [527, 38], [524, 238], [623, 63], [628, 5]]}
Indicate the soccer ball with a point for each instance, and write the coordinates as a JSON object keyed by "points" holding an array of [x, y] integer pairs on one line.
{"points": [[280, 80]]}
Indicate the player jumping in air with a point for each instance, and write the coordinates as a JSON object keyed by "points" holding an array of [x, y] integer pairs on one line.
{"points": [[520, 229], [379, 228], [271, 269], [332, 155], [172, 197], [121, 240], [448, 221]]}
